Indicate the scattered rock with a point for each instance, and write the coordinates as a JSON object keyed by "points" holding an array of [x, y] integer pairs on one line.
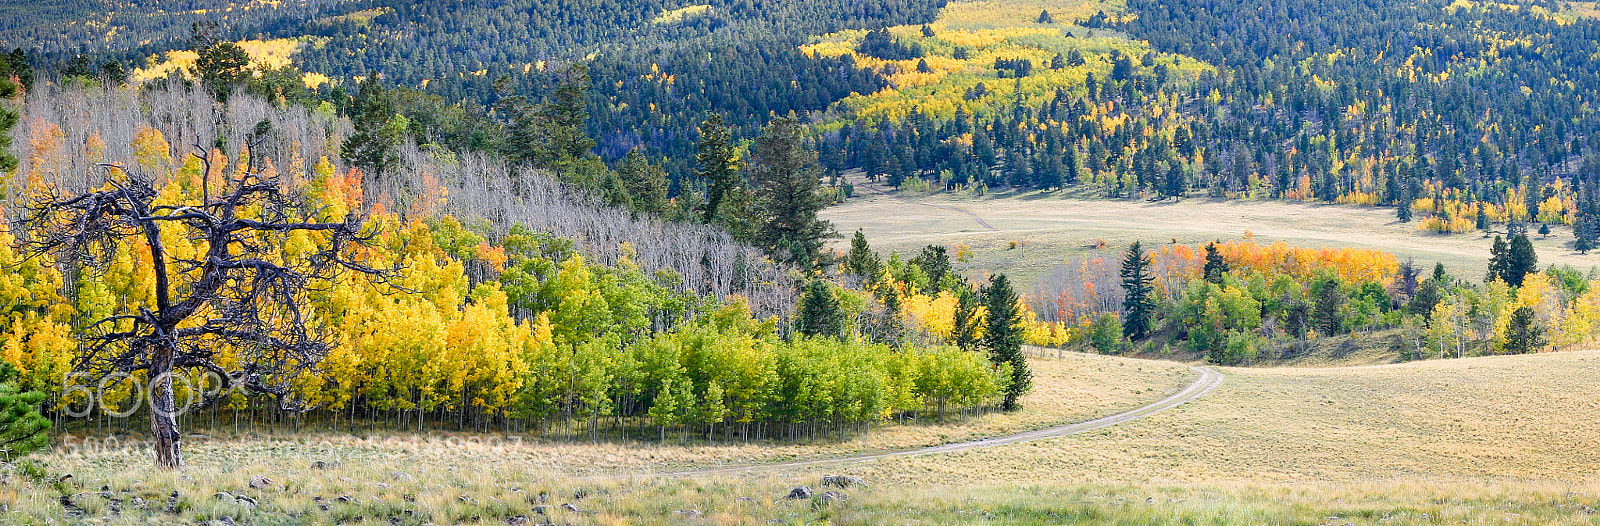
{"points": [[260, 482], [745, 499], [401, 475], [690, 513], [172, 503], [226, 520], [384, 485], [246, 501], [800, 493], [466, 498], [518, 521], [842, 481], [222, 495], [542, 510], [136, 503], [347, 498], [833, 496], [72, 508], [325, 464], [570, 507], [408, 497]]}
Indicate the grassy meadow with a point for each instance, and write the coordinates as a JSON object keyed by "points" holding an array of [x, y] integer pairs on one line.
{"points": [[1502, 440], [1027, 234]]}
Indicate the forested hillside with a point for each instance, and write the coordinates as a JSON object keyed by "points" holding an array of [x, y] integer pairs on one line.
{"points": [[469, 294], [1462, 115]]}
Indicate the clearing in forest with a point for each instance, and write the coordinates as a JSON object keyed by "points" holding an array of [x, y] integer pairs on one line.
{"points": [[1025, 235]]}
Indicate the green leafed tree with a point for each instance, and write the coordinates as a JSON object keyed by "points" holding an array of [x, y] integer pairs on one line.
{"points": [[22, 429], [1138, 302], [1003, 337]]}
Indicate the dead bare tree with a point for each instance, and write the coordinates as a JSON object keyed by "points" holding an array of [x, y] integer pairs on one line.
{"points": [[233, 311]]}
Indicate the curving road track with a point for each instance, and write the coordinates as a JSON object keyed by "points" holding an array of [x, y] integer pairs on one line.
{"points": [[1209, 379]]}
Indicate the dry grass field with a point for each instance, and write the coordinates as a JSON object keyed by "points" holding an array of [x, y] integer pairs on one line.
{"points": [[1502, 440], [1507, 419], [1054, 227]]}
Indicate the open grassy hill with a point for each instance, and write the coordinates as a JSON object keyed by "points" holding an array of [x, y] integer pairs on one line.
{"points": [[1505, 440], [1049, 228]]}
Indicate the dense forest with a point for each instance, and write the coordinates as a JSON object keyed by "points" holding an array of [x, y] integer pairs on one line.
{"points": [[1447, 111]]}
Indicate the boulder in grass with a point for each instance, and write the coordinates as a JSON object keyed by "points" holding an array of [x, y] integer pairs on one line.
{"points": [[800, 493], [830, 497], [842, 481], [259, 482]]}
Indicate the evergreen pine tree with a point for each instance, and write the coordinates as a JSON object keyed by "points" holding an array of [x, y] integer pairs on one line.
{"points": [[935, 262], [646, 183], [566, 119], [1327, 313], [10, 67], [1215, 267], [964, 330], [375, 145], [1523, 334], [1403, 211], [786, 179], [1138, 303], [861, 261], [1483, 218], [1520, 260], [22, 428], [220, 66], [819, 314], [1175, 182], [718, 168], [1003, 337], [1498, 258], [1544, 230], [1059, 62], [1428, 296], [1045, 18]]}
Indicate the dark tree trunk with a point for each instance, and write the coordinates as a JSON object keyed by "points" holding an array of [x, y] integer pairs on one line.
{"points": [[163, 410]]}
